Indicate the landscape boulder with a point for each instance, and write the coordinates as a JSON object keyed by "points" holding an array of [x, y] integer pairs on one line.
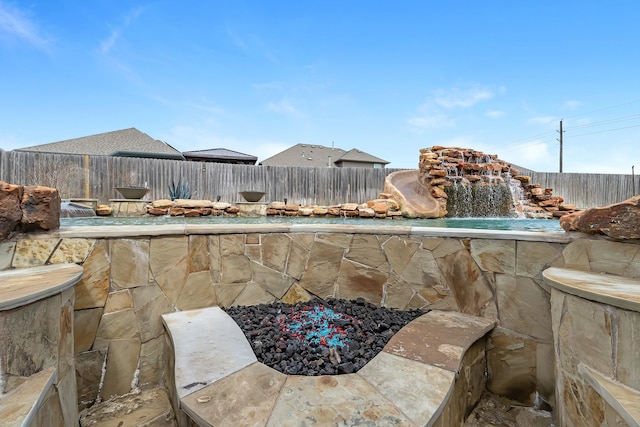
{"points": [[618, 221]]}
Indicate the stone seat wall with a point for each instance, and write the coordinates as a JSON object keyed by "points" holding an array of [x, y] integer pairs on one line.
{"points": [[596, 317]]}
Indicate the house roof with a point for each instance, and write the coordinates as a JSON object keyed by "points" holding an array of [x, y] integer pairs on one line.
{"points": [[313, 155], [355, 155], [126, 142], [221, 154]]}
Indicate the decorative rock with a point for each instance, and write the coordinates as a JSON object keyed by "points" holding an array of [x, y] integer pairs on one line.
{"points": [[349, 206], [162, 203], [10, 212], [189, 203], [104, 210], [618, 221], [40, 208]]}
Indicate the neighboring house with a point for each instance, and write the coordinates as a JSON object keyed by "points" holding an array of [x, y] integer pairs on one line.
{"points": [[120, 143], [321, 156], [220, 155]]}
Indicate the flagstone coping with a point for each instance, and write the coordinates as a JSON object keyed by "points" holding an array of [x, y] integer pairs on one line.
{"points": [[605, 288], [624, 400], [381, 227], [220, 382], [20, 405], [26, 285]]}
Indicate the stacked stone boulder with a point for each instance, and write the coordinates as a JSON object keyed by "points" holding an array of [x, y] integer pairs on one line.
{"points": [[440, 167], [28, 208]]}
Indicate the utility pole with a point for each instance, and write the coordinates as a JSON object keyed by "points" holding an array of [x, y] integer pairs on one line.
{"points": [[560, 140]]}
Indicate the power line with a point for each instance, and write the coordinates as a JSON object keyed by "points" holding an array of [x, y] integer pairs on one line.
{"points": [[606, 130]]}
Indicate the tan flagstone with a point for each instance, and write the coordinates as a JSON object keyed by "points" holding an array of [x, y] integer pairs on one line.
{"points": [[258, 385], [122, 361], [169, 264], [358, 281], [149, 322], [199, 256], [297, 259], [419, 398], [533, 257], [422, 271], [253, 294], [231, 244], [275, 248], [235, 269], [524, 307], [585, 333], [118, 300], [397, 294], [65, 340], [399, 251], [628, 348], [151, 362], [511, 365], [6, 254], [226, 293], [129, 263], [72, 250], [576, 255], [88, 373], [322, 269], [496, 256], [337, 239], [611, 257], [272, 281], [118, 325], [31, 253], [93, 287], [68, 396], [85, 328], [365, 249], [447, 247], [215, 258], [333, 400], [295, 294], [198, 292], [466, 281]]}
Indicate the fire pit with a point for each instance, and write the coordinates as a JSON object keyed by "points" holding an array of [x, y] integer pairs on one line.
{"points": [[132, 192], [321, 337], [252, 196]]}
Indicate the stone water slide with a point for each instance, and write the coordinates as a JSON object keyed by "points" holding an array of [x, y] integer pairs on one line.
{"points": [[414, 198]]}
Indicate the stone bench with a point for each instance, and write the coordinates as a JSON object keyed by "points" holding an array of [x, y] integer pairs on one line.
{"points": [[36, 317], [436, 359], [622, 295]]}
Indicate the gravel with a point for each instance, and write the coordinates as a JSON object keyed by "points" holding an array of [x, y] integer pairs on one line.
{"points": [[320, 337]]}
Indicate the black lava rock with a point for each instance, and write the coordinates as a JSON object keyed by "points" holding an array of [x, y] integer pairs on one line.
{"points": [[298, 339]]}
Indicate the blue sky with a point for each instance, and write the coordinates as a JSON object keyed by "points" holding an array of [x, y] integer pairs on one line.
{"points": [[385, 77]]}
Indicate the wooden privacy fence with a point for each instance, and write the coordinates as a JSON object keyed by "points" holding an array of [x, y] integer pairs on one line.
{"points": [[97, 177], [78, 176]]}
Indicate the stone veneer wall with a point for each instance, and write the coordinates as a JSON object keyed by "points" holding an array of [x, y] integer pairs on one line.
{"points": [[601, 336], [129, 282], [36, 340]]}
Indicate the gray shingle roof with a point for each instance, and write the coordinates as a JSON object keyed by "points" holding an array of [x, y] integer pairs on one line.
{"points": [[220, 154], [121, 142], [318, 156], [355, 155]]}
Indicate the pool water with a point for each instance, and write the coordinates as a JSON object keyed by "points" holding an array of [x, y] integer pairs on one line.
{"points": [[515, 224]]}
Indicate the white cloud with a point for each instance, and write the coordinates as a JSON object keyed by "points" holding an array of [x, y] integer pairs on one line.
{"points": [[285, 107], [495, 114], [461, 98], [16, 24], [572, 105], [541, 120], [436, 110], [427, 120]]}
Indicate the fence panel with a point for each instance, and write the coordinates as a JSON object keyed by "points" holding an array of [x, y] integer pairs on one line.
{"points": [[77, 176]]}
